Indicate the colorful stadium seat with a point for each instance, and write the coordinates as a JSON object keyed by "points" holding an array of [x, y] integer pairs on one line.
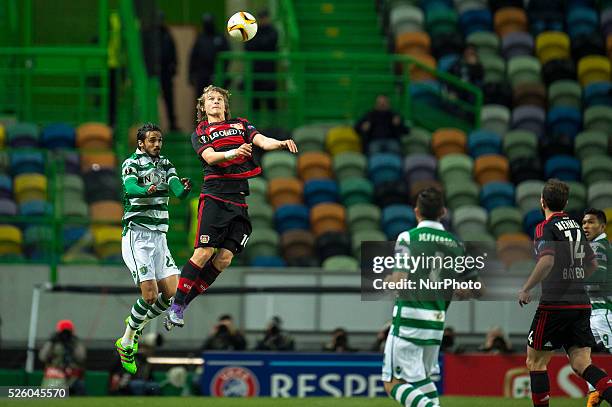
{"points": [[35, 208], [528, 194], [475, 20], [469, 219], [327, 217], [565, 93], [413, 43], [106, 211], [283, 191], [406, 18], [530, 118], [107, 242], [356, 190], [460, 194], [94, 136], [514, 247], [590, 144], [11, 240], [564, 121], [261, 215], [419, 167], [314, 165], [384, 168], [593, 68], [418, 141], [530, 94], [491, 167], [520, 143], [496, 194], [598, 118], [22, 135], [454, 168], [365, 236], [598, 93], [509, 19], [495, 118], [75, 207], [2, 136], [310, 138], [577, 196], [504, 220], [317, 191], [291, 217], [349, 164], [485, 42], [340, 263], [258, 188], [552, 45], [581, 20], [30, 187], [448, 141], [440, 20], [26, 162], [418, 74], [262, 242], [8, 207], [523, 69], [564, 167], [363, 216], [98, 160], [516, 44], [38, 242], [58, 135], [296, 245], [6, 186], [481, 142], [397, 219], [268, 262], [333, 244], [341, 139], [278, 164], [600, 194]]}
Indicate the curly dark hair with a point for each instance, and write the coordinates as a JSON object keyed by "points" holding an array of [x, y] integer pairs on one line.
{"points": [[144, 129]]}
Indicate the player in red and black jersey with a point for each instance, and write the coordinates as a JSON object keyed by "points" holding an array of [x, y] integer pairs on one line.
{"points": [[564, 261], [224, 146]]}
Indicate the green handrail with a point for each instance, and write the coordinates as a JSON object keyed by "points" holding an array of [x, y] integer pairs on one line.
{"points": [[289, 23], [352, 80]]}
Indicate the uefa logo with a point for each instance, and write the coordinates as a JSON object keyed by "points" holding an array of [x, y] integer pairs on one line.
{"points": [[234, 381]]}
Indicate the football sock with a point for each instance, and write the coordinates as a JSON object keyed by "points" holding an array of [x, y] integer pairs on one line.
{"points": [[600, 380], [540, 388], [429, 389], [207, 276], [408, 395], [160, 305], [135, 322], [188, 276]]}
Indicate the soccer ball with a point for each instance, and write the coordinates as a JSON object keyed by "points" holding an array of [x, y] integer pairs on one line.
{"points": [[242, 26]]}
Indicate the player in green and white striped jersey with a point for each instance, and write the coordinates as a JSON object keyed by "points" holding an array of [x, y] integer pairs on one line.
{"points": [[594, 226], [148, 178], [413, 342]]}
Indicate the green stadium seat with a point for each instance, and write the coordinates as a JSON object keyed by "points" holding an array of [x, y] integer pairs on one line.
{"points": [[38, 241], [524, 69], [597, 170], [600, 194], [258, 187], [279, 164], [5, 161], [355, 190], [441, 21], [341, 263], [565, 92], [494, 68], [363, 216], [349, 164], [417, 142], [11, 240], [478, 236], [460, 194], [505, 220], [520, 143], [486, 42], [365, 236], [261, 216], [263, 242], [75, 206], [310, 138], [72, 183], [470, 219], [454, 168], [495, 118], [598, 118], [528, 194], [577, 196], [589, 144]]}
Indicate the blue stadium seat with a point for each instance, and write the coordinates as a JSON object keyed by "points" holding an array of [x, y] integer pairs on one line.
{"points": [[597, 93], [73, 234], [564, 167], [475, 20], [317, 191], [290, 217], [482, 142], [72, 162], [444, 64], [564, 120], [397, 219], [384, 167], [581, 20], [531, 220], [6, 186], [58, 135], [27, 162], [496, 194], [384, 146], [35, 208], [426, 92], [268, 261]]}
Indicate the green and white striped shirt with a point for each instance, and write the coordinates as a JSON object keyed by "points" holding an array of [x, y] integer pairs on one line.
{"points": [[421, 320], [150, 211], [602, 298]]}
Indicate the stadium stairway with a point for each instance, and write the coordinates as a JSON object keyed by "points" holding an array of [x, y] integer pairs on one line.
{"points": [[339, 27]]}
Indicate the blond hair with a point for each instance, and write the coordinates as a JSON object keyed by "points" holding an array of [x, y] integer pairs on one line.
{"points": [[201, 113]]}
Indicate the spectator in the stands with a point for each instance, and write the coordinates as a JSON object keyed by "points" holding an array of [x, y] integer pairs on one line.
{"points": [[204, 55], [275, 338], [64, 358], [380, 123], [381, 338], [339, 342], [468, 67], [225, 336], [496, 341]]}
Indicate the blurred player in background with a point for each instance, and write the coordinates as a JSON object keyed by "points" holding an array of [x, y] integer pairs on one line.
{"points": [[564, 260], [413, 342], [148, 178], [224, 146], [594, 226]]}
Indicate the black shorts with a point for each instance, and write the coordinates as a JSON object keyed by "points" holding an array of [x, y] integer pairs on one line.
{"points": [[553, 329], [222, 224]]}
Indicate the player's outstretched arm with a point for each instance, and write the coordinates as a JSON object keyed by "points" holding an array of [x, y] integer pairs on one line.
{"points": [[269, 144], [180, 188], [539, 273], [213, 157]]}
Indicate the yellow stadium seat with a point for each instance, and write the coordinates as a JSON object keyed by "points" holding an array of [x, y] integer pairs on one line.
{"points": [[593, 68], [11, 240], [552, 45], [30, 187], [107, 240], [2, 136], [341, 139], [94, 136], [106, 211], [608, 212]]}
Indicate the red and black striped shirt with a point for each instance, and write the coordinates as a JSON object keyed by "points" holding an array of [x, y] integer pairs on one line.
{"points": [[562, 237], [228, 180]]}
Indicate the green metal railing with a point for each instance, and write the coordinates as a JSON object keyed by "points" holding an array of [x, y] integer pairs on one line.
{"points": [[289, 24], [315, 87]]}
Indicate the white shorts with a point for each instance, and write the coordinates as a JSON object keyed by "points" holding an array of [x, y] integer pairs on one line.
{"points": [[601, 325], [409, 362], [145, 253]]}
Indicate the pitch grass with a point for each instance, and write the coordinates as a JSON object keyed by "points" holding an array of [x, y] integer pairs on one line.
{"points": [[275, 402]]}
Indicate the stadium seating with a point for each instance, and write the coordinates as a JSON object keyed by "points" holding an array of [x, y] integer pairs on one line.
{"points": [[94, 136], [340, 263], [58, 135], [469, 219], [106, 211], [384, 167], [481, 142], [334, 243], [26, 162], [263, 242], [577, 197], [312, 165], [296, 245], [327, 217], [566, 168], [342, 139], [593, 68], [22, 135], [283, 191], [514, 247], [590, 144], [349, 164], [460, 194], [520, 143], [278, 164], [356, 190], [396, 219], [11, 240], [597, 170], [552, 45], [454, 168], [262, 215], [320, 190], [448, 141], [600, 194], [491, 167], [565, 92], [417, 142], [310, 138], [495, 118], [258, 188], [598, 118], [530, 94], [528, 195], [496, 194], [107, 242], [365, 236], [517, 43], [419, 167], [504, 220], [28, 187], [363, 216]]}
